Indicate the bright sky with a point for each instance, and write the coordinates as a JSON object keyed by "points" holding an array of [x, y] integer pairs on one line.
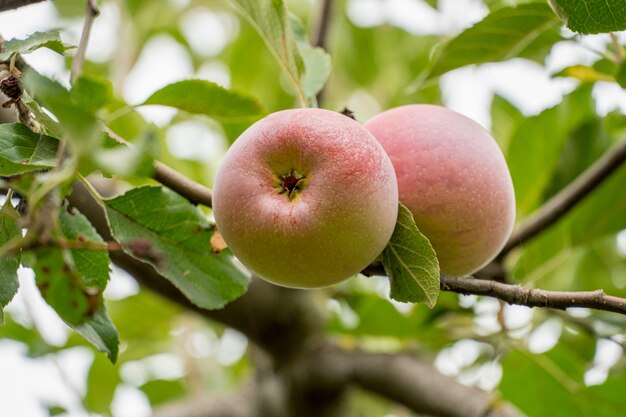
{"points": [[27, 384]]}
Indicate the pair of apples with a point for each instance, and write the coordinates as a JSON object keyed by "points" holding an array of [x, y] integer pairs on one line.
{"points": [[306, 198]]}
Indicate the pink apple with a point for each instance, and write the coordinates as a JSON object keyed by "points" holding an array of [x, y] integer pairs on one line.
{"points": [[306, 198], [454, 179]]}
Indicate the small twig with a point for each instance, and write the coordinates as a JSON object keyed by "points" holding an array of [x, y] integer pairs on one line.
{"points": [[90, 15], [555, 208], [14, 4], [321, 35], [589, 328], [515, 294], [191, 190], [619, 50]]}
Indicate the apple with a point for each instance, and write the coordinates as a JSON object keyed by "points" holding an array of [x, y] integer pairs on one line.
{"points": [[306, 198], [454, 179]]}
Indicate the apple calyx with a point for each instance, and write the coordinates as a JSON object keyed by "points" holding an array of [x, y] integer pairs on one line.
{"points": [[291, 184]]}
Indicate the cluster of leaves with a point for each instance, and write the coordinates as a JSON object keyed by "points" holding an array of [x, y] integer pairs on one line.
{"points": [[152, 223]]}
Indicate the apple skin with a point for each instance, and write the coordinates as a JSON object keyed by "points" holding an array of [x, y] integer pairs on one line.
{"points": [[454, 179], [340, 216]]}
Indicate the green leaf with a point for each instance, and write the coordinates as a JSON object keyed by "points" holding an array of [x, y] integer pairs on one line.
{"points": [[270, 19], [544, 137], [161, 391], [558, 375], [584, 74], [92, 265], [22, 151], [102, 381], [128, 160], [411, 263], [528, 30], [91, 93], [78, 122], [205, 97], [505, 119], [61, 286], [50, 40], [9, 229], [591, 16], [317, 63], [101, 333], [163, 229]]}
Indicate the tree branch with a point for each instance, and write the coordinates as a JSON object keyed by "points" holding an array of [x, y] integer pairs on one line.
{"points": [[515, 294], [14, 4], [420, 387], [91, 13], [555, 208]]}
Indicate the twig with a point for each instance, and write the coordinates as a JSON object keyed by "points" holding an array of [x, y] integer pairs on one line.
{"points": [[191, 190], [14, 4], [90, 15], [515, 294], [619, 50], [321, 35], [588, 328], [555, 208]]}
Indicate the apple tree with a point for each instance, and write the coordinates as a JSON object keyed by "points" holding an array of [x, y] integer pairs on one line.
{"points": [[106, 181]]}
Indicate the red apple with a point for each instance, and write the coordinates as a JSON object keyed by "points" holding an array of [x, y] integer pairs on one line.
{"points": [[454, 179], [306, 198]]}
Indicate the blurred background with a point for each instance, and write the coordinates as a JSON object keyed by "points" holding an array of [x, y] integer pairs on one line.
{"points": [[379, 49]]}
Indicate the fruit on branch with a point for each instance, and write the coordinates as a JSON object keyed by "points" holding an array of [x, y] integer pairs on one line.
{"points": [[306, 198], [454, 179]]}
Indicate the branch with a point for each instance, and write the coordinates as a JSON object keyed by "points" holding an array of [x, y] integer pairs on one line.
{"points": [[555, 208], [77, 63], [14, 4], [414, 384], [321, 35], [515, 294], [232, 405]]}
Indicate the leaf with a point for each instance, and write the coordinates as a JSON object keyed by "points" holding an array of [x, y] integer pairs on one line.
{"points": [[127, 161], [9, 229], [544, 137], [591, 16], [101, 333], [91, 93], [558, 375], [92, 265], [162, 391], [21, 150], [411, 263], [584, 73], [505, 119], [271, 21], [78, 123], [528, 30], [61, 286], [317, 63], [102, 381], [50, 40], [205, 97], [163, 229]]}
